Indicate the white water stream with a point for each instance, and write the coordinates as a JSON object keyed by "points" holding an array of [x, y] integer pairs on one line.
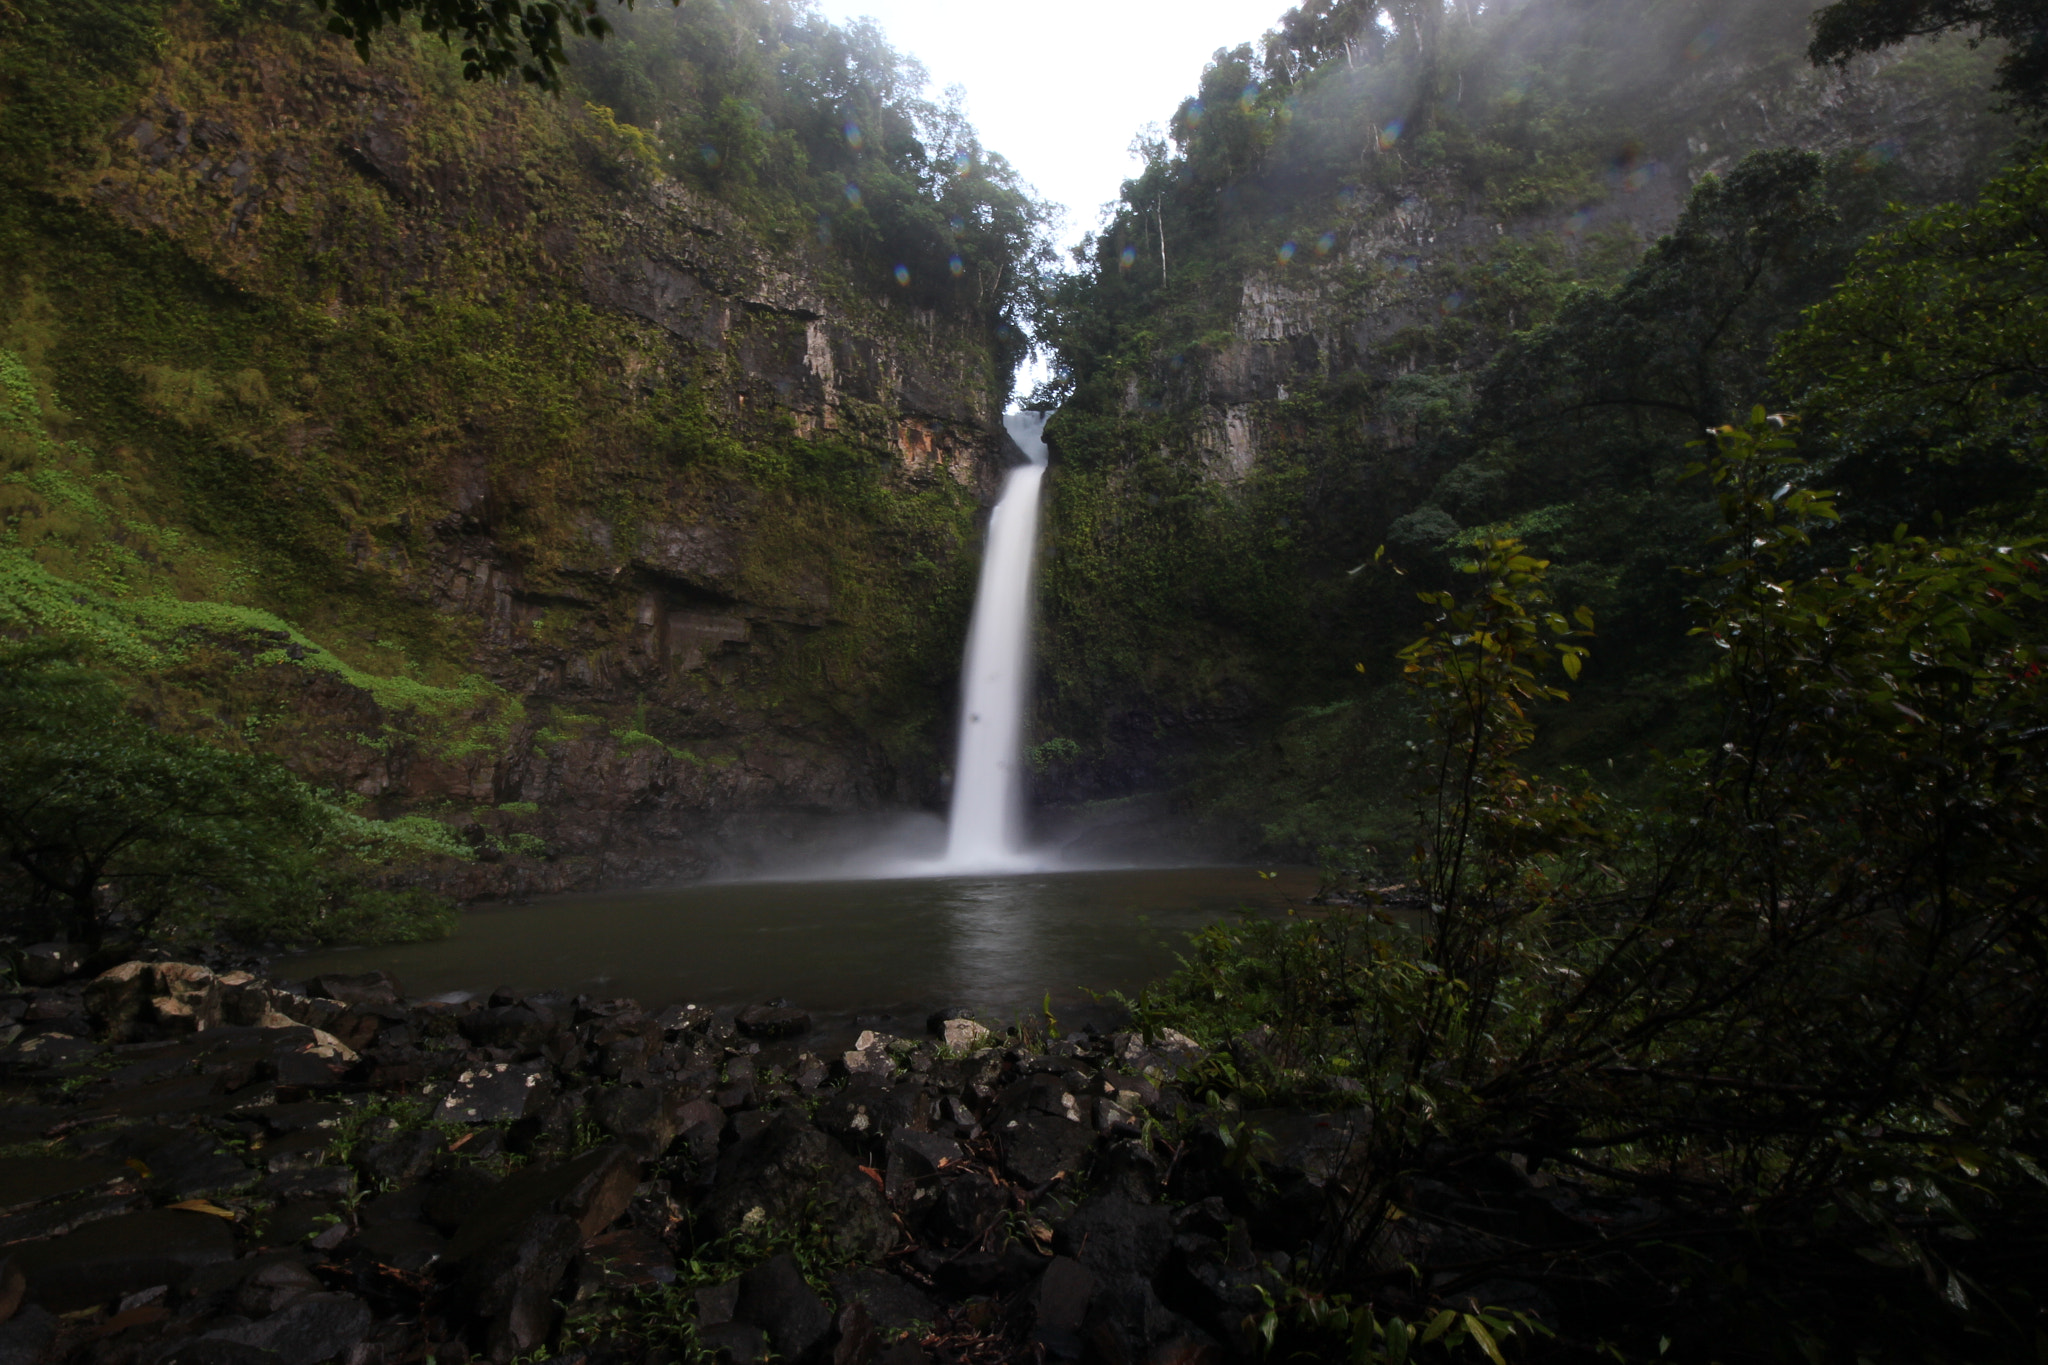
{"points": [[984, 832]]}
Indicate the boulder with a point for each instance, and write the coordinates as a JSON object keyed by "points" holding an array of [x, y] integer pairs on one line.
{"points": [[273, 1284], [790, 1175], [590, 1191], [114, 1257], [772, 1021], [740, 1343], [309, 1329], [46, 964], [497, 1093], [25, 1337], [646, 1119], [774, 1297], [28, 1180], [892, 1304], [364, 988], [1060, 1308], [1037, 1147], [510, 1281]]}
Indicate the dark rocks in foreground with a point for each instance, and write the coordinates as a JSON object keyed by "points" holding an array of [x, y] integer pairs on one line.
{"points": [[213, 1171]]}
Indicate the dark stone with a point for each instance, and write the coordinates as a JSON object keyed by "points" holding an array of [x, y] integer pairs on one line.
{"points": [[407, 1246], [495, 1093], [716, 1302], [794, 1174], [27, 1335], [970, 1206], [46, 964], [297, 1151], [915, 1160], [1060, 1308], [273, 1284], [305, 1063], [867, 1111], [458, 1195], [1114, 1234], [1038, 1147], [858, 1341], [647, 1119], [739, 1343], [316, 1182], [631, 1257], [59, 1219], [904, 1353], [698, 1124], [772, 1021], [403, 1159], [964, 1274], [26, 1180], [590, 1191], [292, 1118], [773, 1296], [892, 1303], [299, 1221], [510, 1281], [366, 988], [519, 1028], [117, 1256], [309, 1329]]}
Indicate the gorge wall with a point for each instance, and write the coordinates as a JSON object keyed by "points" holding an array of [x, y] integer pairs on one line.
{"points": [[439, 439], [1358, 221]]}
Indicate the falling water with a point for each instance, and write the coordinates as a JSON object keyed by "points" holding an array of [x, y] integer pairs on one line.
{"points": [[984, 831]]}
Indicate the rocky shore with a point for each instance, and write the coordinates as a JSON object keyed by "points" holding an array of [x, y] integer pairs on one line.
{"points": [[208, 1169], [205, 1168]]}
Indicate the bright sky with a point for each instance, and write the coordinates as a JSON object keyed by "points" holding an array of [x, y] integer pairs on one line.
{"points": [[1060, 87]]}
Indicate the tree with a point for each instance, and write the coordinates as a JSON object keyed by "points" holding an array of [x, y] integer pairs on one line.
{"points": [[1848, 27], [106, 819]]}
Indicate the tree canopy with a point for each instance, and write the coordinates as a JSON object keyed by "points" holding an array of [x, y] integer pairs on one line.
{"points": [[1848, 27]]}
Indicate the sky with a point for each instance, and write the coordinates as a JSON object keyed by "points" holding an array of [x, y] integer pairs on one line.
{"points": [[1060, 87]]}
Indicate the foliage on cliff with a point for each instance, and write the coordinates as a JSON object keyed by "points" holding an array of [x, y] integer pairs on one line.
{"points": [[444, 441], [1425, 274]]}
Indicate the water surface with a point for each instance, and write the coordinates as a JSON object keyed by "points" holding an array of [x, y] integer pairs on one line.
{"points": [[997, 945]]}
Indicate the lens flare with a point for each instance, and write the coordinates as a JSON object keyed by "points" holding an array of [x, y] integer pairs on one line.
{"points": [[1390, 135], [1577, 223], [1878, 155], [962, 163], [1452, 302], [903, 274], [1193, 111], [1326, 244], [1127, 258], [1285, 253], [825, 229], [853, 135], [1703, 43], [710, 154], [853, 194], [953, 263], [956, 225], [1249, 97]]}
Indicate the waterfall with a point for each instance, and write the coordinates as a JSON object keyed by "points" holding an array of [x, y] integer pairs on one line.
{"points": [[985, 828]]}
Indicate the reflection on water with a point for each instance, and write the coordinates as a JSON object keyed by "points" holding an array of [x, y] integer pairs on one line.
{"points": [[994, 944]]}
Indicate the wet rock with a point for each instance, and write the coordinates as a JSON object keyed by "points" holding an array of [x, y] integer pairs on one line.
{"points": [[893, 1304], [217, 1351], [406, 1245], [1038, 1147], [970, 1206], [521, 1030], [366, 988], [646, 1119], [402, 1159], [300, 1221], [772, 1021], [273, 1284], [117, 1256], [1113, 1234], [698, 1125], [510, 1281], [914, 1162], [309, 1329], [47, 964], [866, 1111], [497, 1093], [773, 1296], [1060, 1308], [791, 1173], [590, 1191], [717, 1302], [631, 1257]]}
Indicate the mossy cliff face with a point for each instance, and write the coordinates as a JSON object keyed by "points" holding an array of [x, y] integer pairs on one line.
{"points": [[427, 434], [1350, 238]]}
